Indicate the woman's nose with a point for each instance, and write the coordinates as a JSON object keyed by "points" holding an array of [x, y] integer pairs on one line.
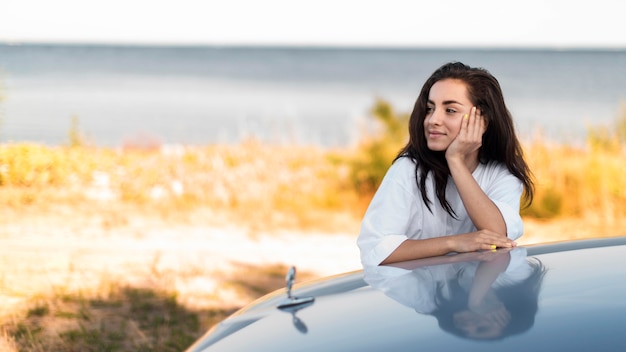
{"points": [[434, 118]]}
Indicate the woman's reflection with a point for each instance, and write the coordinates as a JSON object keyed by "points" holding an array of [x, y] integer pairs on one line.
{"points": [[478, 295]]}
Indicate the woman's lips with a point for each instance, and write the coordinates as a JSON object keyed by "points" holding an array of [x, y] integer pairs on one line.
{"points": [[435, 134]]}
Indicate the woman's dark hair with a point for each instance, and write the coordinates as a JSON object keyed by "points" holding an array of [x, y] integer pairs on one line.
{"points": [[499, 142]]}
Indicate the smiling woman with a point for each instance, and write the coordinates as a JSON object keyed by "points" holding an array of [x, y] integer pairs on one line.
{"points": [[463, 151]]}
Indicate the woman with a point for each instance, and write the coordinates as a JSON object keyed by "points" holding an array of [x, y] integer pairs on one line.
{"points": [[456, 186]]}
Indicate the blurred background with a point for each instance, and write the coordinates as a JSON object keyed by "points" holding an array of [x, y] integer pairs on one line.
{"points": [[162, 163], [199, 72]]}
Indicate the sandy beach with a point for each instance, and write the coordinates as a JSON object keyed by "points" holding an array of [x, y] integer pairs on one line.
{"points": [[40, 257]]}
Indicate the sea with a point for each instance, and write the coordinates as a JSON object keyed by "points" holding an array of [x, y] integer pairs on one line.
{"points": [[201, 95]]}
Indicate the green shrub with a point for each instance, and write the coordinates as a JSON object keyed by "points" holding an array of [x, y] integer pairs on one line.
{"points": [[377, 150]]}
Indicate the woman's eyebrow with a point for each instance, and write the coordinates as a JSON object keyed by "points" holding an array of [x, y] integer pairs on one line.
{"points": [[446, 102]]}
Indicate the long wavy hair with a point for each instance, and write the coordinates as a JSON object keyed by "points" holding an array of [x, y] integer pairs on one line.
{"points": [[499, 142]]}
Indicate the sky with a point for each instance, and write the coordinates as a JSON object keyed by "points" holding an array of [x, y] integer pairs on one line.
{"points": [[391, 23]]}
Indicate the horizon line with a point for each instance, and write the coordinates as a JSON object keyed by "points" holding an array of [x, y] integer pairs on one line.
{"points": [[312, 46]]}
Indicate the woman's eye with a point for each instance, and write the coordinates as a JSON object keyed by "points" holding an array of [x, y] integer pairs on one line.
{"points": [[451, 111], [429, 109]]}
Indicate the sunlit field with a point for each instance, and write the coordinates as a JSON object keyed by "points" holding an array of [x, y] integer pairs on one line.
{"points": [[144, 247]]}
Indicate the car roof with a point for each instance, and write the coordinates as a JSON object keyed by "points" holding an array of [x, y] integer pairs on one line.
{"points": [[579, 303]]}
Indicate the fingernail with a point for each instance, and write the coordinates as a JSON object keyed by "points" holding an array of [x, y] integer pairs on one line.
{"points": [[493, 246], [466, 116]]}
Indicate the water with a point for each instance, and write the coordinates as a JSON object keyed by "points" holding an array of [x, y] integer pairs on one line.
{"points": [[203, 95]]}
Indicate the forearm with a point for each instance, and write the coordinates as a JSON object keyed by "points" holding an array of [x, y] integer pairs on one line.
{"points": [[417, 249], [483, 212], [451, 258]]}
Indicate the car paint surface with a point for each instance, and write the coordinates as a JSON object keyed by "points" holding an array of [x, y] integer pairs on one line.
{"points": [[581, 307]]}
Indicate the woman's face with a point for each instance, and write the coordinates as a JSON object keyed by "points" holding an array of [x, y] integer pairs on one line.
{"points": [[447, 103]]}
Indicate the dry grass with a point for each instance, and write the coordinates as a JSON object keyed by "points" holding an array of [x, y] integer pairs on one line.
{"points": [[265, 186], [587, 184], [122, 317], [144, 249]]}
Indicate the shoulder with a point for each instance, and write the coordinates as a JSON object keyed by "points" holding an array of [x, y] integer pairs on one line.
{"points": [[401, 168], [401, 172], [404, 163]]}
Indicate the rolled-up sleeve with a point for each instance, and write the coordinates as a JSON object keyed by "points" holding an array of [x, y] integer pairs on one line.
{"points": [[512, 219], [505, 190]]}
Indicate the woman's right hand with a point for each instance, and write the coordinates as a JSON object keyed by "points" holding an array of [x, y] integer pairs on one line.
{"points": [[468, 141], [479, 240]]}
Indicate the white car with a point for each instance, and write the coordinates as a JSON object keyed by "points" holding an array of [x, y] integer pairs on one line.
{"points": [[565, 296]]}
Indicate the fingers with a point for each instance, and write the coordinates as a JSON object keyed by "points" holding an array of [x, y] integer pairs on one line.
{"points": [[468, 122], [495, 244], [472, 126], [481, 240], [476, 133], [492, 241], [475, 124]]}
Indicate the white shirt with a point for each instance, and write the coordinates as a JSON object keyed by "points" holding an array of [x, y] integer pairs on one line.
{"points": [[397, 211]]}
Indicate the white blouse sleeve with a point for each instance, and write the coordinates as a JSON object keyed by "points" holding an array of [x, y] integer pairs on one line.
{"points": [[386, 222], [505, 190]]}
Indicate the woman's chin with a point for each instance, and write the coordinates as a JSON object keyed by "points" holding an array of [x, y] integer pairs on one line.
{"points": [[437, 147]]}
